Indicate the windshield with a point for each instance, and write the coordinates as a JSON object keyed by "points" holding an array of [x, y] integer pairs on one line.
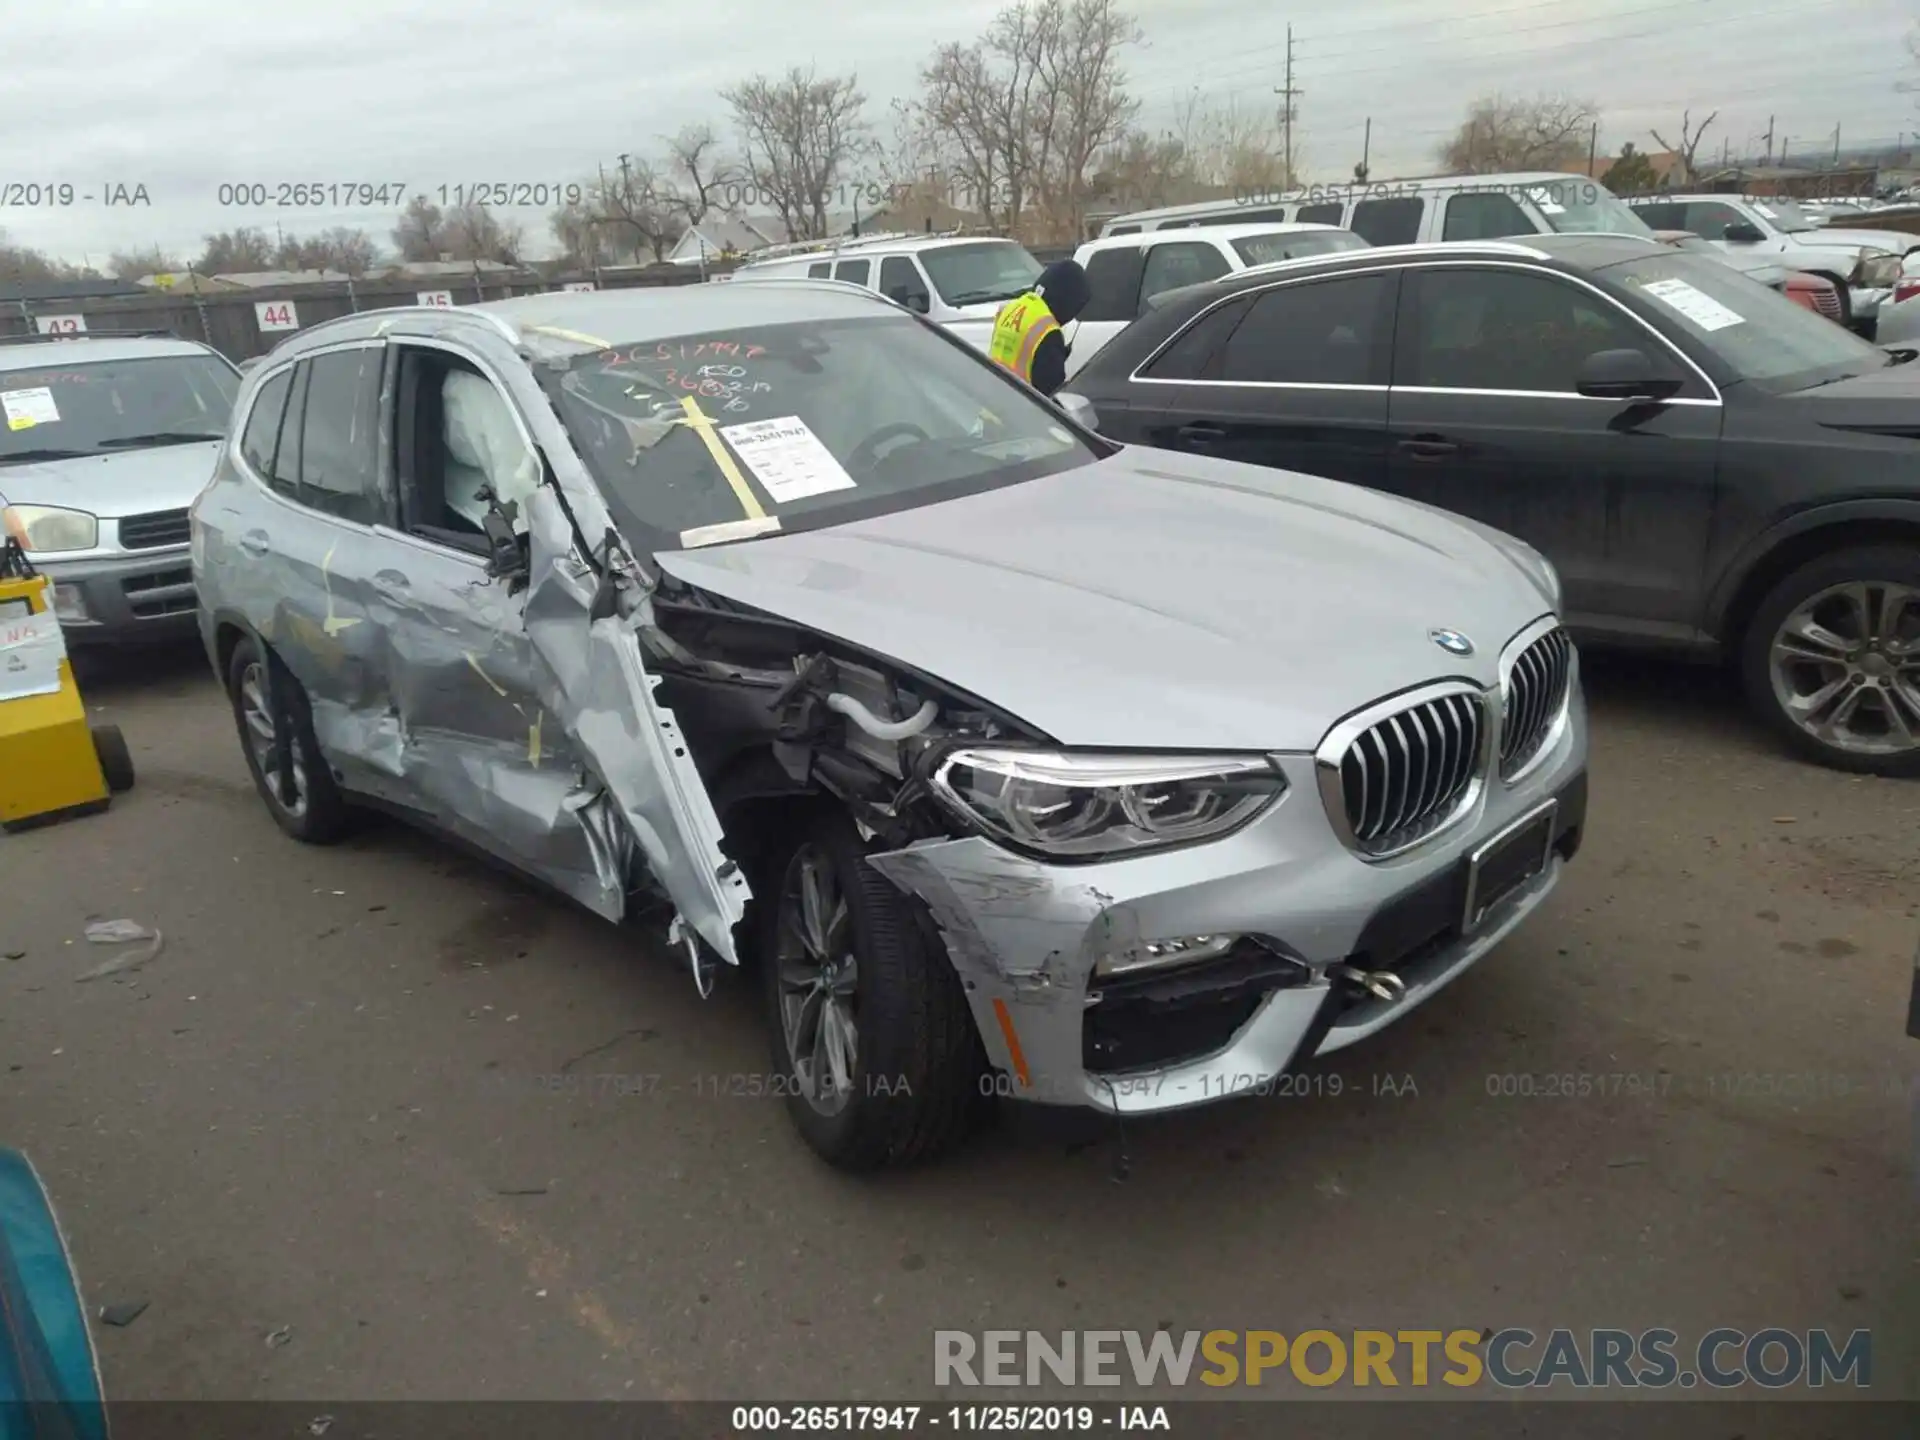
{"points": [[974, 274], [809, 424], [1767, 339], [61, 409], [1265, 249], [1785, 215], [1584, 207]]}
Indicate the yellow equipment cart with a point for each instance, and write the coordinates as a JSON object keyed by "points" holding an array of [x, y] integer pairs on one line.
{"points": [[52, 763]]}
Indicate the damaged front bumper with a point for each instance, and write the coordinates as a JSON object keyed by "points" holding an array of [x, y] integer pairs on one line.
{"points": [[1286, 913]]}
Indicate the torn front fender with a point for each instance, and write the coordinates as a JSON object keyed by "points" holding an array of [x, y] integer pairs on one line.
{"points": [[591, 676]]}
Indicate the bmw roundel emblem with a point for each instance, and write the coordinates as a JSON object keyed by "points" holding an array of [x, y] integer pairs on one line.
{"points": [[1451, 641]]}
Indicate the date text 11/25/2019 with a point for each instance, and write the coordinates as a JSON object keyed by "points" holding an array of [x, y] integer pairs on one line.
{"points": [[907, 1419], [395, 194]]}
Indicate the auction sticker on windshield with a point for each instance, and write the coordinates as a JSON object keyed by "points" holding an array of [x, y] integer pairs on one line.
{"points": [[1699, 307], [27, 408], [787, 458]]}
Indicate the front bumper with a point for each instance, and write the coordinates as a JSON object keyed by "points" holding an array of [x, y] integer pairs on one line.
{"points": [[128, 599], [1025, 937]]}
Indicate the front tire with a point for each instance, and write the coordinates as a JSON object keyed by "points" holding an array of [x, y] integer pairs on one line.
{"points": [[302, 796], [872, 1037], [1831, 660]]}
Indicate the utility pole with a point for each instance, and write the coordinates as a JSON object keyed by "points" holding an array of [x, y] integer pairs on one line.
{"points": [[1836, 145], [1769, 139], [1287, 95], [1593, 150], [1366, 153]]}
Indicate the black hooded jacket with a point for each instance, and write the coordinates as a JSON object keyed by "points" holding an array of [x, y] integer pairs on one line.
{"points": [[1063, 285]]}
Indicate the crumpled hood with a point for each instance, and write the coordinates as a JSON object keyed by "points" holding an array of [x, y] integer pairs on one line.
{"points": [[122, 482], [1152, 600]]}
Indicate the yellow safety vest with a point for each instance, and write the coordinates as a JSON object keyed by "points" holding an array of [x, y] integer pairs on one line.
{"points": [[1017, 332]]}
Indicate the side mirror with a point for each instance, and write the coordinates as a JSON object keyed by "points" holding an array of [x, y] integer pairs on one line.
{"points": [[915, 300], [1625, 375], [1079, 409], [505, 559], [1742, 232]]}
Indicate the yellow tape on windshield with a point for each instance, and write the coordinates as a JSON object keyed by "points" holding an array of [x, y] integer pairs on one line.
{"points": [[702, 425]]}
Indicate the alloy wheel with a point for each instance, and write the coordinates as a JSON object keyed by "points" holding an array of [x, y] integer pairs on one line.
{"points": [[819, 979], [262, 740], [1846, 667]]}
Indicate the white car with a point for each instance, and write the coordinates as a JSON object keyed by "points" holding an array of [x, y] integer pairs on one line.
{"points": [[1865, 264], [1125, 272], [959, 282]]}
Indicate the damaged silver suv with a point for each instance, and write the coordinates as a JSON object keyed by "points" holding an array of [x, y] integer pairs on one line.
{"points": [[1019, 762]]}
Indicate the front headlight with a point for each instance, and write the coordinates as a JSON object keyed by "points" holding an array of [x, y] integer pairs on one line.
{"points": [[1877, 270], [48, 530], [1087, 807]]}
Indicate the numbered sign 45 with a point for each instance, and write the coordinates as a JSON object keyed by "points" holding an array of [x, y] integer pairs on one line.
{"points": [[60, 324], [275, 315], [441, 298]]}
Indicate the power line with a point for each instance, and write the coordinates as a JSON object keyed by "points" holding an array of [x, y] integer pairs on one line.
{"points": [[1527, 50]]}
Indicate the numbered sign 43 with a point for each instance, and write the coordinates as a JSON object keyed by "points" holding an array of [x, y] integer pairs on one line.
{"points": [[443, 298], [275, 315], [60, 324]]}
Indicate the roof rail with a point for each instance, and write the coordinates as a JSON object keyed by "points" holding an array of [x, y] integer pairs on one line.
{"points": [[833, 244]]}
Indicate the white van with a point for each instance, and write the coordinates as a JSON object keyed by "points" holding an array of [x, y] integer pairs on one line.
{"points": [[1407, 212], [1125, 272], [956, 281]]}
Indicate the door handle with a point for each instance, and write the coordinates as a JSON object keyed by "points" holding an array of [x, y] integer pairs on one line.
{"points": [[390, 584], [1201, 434], [1429, 447], [255, 542]]}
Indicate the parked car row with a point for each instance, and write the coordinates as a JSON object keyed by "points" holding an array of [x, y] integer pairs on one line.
{"points": [[1711, 469]]}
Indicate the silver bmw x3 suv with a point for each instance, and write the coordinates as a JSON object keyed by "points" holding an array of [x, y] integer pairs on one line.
{"points": [[1017, 761]]}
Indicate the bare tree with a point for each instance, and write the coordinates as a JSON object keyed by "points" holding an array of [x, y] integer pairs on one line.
{"points": [[1689, 143], [701, 176], [21, 265], [581, 230], [342, 248], [136, 264], [476, 233], [1029, 110], [421, 233], [640, 208], [801, 133], [236, 252], [1550, 132]]}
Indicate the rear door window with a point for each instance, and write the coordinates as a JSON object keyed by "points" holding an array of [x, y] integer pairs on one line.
{"points": [[339, 459], [1113, 280], [853, 271], [821, 271], [263, 424], [1389, 222], [285, 474], [1181, 262], [1488, 215], [1315, 332], [1327, 212], [1191, 355]]}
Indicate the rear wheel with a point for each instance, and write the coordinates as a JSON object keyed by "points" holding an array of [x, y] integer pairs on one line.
{"points": [[873, 1040], [276, 736], [1832, 660], [116, 761]]}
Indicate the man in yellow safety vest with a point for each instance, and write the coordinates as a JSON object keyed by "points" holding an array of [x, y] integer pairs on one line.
{"points": [[1026, 333]]}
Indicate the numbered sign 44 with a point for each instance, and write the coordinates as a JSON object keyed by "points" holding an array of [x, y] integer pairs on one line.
{"points": [[440, 298], [276, 315], [60, 324]]}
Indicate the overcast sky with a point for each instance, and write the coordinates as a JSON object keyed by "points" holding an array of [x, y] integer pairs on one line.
{"points": [[183, 97]]}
